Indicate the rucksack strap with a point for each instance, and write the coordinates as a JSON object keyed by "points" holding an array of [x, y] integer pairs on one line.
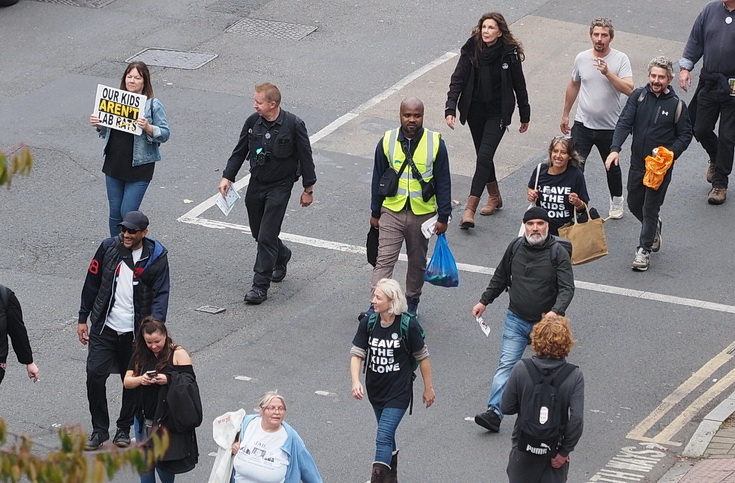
{"points": [[558, 376]]}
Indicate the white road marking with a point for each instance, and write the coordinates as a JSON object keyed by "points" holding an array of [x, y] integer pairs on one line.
{"points": [[243, 378]]}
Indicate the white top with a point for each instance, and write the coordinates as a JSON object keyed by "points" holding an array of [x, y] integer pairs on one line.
{"points": [[122, 316], [261, 459], [599, 104]]}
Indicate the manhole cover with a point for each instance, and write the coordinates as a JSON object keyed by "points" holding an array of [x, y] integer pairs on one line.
{"points": [[172, 58], [270, 28], [81, 3]]}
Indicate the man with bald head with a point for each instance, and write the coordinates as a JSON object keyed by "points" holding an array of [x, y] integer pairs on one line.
{"points": [[411, 183]]}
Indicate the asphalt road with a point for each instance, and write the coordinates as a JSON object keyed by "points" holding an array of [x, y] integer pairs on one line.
{"points": [[641, 336]]}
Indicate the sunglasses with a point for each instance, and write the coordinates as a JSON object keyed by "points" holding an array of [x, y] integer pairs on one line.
{"points": [[124, 229]]}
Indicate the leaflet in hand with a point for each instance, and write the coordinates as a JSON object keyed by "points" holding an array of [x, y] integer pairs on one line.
{"points": [[226, 203]]}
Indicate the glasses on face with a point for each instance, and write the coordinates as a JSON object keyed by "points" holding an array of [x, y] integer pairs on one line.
{"points": [[275, 409], [124, 229]]}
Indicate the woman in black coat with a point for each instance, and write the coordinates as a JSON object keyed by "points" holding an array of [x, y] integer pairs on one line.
{"points": [[161, 372], [484, 87]]}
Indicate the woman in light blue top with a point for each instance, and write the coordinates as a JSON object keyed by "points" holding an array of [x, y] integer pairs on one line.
{"points": [[130, 158], [268, 450]]}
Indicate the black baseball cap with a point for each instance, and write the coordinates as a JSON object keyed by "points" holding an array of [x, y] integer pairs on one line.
{"points": [[134, 220]]}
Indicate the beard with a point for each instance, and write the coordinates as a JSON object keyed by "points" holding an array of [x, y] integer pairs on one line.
{"points": [[536, 239]]}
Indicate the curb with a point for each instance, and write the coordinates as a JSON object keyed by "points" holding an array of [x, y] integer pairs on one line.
{"points": [[701, 439]]}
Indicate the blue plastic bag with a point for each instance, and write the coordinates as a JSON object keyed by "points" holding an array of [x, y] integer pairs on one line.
{"points": [[442, 269]]}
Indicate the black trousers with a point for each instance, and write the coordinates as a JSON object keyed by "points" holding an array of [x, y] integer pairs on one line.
{"points": [[486, 136], [720, 147], [266, 205], [645, 203], [584, 139], [108, 350]]}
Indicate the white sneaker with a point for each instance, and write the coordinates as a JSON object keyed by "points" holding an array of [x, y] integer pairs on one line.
{"points": [[641, 261], [616, 208]]}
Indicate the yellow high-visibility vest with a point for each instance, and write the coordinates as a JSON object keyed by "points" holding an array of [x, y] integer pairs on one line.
{"points": [[408, 187]]}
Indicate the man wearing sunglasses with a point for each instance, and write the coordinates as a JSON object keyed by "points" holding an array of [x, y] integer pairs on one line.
{"points": [[127, 280]]}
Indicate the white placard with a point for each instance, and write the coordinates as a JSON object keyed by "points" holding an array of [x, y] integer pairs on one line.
{"points": [[119, 109]]}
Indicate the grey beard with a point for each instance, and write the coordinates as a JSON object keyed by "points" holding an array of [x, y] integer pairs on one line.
{"points": [[536, 241]]}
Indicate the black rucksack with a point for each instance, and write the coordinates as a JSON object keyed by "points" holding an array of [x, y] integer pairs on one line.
{"points": [[553, 251], [542, 422]]}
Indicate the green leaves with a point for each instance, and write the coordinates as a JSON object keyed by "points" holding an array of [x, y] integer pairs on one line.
{"points": [[70, 463], [19, 162]]}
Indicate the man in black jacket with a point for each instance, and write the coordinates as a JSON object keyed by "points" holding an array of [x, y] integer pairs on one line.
{"points": [[656, 117], [127, 280], [537, 273], [11, 325], [277, 145]]}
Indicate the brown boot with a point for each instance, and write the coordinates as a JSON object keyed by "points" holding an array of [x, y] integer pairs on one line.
{"points": [[380, 473], [468, 219], [494, 200], [393, 473]]}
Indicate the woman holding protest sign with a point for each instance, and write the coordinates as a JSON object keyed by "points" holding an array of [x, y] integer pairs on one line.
{"points": [[130, 158]]}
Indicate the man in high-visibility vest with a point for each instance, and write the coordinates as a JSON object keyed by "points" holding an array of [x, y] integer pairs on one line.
{"points": [[422, 188]]}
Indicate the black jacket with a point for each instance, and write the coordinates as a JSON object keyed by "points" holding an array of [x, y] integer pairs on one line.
{"points": [[150, 295], [513, 85], [11, 324], [537, 286], [651, 120], [285, 151]]}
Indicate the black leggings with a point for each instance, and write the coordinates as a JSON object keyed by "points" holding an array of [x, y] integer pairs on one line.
{"points": [[486, 134]]}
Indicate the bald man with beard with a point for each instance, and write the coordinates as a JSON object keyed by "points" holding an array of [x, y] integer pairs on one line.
{"points": [[419, 163]]}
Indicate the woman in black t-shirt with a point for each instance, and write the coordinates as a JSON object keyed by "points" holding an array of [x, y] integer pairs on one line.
{"points": [[561, 187], [130, 158], [154, 361], [389, 341]]}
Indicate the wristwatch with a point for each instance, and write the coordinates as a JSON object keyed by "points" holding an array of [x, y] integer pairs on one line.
{"points": [[309, 192]]}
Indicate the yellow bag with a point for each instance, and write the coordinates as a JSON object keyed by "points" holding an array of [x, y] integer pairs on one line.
{"points": [[588, 239], [657, 166]]}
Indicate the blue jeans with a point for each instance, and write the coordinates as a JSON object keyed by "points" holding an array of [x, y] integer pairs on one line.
{"points": [[385, 441], [516, 336], [149, 476], [123, 196]]}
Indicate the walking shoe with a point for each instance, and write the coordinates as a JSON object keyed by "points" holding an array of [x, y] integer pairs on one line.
{"points": [[642, 260], [489, 420], [279, 272], [656, 245], [122, 438], [616, 208], [717, 196], [256, 296], [95, 441], [370, 311], [413, 306], [710, 171]]}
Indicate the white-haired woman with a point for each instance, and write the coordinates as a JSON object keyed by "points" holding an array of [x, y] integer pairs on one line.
{"points": [[269, 450], [391, 340]]}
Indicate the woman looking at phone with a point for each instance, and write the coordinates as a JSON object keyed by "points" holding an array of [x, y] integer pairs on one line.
{"points": [[155, 364]]}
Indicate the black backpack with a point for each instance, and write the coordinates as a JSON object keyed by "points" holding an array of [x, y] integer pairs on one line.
{"points": [[542, 423]]}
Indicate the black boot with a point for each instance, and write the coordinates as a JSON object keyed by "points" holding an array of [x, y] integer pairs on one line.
{"points": [[380, 473], [393, 473]]}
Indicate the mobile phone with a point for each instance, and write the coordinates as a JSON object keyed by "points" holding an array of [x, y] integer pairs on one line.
{"points": [[151, 373]]}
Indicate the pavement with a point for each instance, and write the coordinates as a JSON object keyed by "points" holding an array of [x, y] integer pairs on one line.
{"points": [[710, 455]]}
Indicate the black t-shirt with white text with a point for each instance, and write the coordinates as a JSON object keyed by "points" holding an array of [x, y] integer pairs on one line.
{"points": [[554, 191], [389, 368]]}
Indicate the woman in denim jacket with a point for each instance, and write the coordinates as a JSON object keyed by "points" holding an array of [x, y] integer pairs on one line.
{"points": [[130, 158]]}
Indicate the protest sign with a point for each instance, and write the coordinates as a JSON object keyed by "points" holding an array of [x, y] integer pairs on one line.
{"points": [[119, 109]]}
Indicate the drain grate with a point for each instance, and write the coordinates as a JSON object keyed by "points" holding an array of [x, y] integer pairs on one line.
{"points": [[173, 58], [80, 3], [270, 28]]}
